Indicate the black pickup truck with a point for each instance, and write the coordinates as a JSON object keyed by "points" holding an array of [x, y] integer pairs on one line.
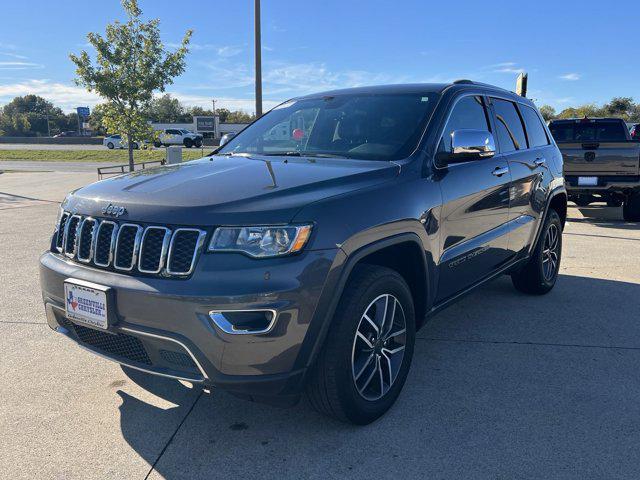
{"points": [[601, 162]]}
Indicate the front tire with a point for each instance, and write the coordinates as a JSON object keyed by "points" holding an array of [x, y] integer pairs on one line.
{"points": [[540, 273], [367, 354], [188, 142], [110, 146], [631, 208]]}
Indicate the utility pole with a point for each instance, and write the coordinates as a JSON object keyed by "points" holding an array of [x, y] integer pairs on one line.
{"points": [[258, 53], [213, 102]]}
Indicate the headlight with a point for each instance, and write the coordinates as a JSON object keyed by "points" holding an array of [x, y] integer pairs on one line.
{"points": [[260, 242]]}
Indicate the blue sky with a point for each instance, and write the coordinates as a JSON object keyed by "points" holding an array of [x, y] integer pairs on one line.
{"points": [[317, 45]]}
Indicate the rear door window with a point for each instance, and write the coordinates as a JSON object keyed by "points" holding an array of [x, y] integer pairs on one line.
{"points": [[509, 127], [535, 129]]}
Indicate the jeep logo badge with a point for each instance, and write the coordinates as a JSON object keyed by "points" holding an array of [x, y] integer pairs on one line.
{"points": [[114, 210]]}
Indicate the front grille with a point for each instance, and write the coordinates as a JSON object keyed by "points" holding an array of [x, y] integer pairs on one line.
{"points": [[129, 247], [126, 246], [178, 358], [119, 344], [70, 235]]}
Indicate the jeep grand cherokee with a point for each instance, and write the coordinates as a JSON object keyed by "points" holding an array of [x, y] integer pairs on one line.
{"points": [[303, 255]]}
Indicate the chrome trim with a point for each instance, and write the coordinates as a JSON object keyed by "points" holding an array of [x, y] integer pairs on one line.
{"points": [[162, 337], [79, 238], [136, 247], [163, 252], [59, 234], [217, 317], [196, 250], [66, 237], [112, 243]]}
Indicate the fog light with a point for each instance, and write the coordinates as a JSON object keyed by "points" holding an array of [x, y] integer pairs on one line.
{"points": [[244, 322]]}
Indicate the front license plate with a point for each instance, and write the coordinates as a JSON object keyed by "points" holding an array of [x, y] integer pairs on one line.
{"points": [[588, 181], [86, 303]]}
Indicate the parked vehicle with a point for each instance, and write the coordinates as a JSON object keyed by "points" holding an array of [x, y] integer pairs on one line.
{"points": [[175, 136], [281, 266], [601, 162], [69, 133], [116, 141]]}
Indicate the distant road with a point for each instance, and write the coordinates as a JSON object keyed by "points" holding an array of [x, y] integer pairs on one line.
{"points": [[29, 146], [35, 166]]}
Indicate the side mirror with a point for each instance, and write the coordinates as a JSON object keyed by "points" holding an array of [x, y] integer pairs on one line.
{"points": [[468, 145], [225, 139]]}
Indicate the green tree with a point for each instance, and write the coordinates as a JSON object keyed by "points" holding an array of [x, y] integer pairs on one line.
{"points": [[547, 112], [131, 64], [167, 109], [28, 116]]}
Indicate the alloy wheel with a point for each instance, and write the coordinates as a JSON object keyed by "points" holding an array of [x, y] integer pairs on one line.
{"points": [[550, 252], [378, 347]]}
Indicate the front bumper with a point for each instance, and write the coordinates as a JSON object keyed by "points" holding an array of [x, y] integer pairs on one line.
{"points": [[163, 326]]}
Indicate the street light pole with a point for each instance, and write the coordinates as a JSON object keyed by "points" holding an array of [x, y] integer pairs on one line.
{"points": [[258, 53]]}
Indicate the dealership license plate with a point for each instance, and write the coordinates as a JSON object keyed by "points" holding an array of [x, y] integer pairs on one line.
{"points": [[86, 303], [588, 181]]}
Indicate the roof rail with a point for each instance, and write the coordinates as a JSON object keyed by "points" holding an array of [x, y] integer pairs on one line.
{"points": [[463, 81]]}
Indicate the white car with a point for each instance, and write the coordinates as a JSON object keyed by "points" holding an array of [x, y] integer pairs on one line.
{"points": [[178, 136], [116, 141]]}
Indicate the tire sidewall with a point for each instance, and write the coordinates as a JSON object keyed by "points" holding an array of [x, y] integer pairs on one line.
{"points": [[358, 409], [552, 218], [110, 146]]}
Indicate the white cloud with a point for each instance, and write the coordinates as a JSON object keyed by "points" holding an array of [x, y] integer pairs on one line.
{"points": [[67, 97], [13, 55], [506, 67], [570, 76], [229, 51], [19, 65]]}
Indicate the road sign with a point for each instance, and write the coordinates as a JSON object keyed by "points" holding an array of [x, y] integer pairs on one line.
{"points": [[206, 124], [83, 111]]}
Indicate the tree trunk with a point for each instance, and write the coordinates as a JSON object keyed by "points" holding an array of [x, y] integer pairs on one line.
{"points": [[130, 148]]}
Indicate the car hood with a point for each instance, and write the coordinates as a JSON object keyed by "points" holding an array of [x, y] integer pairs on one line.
{"points": [[223, 189]]}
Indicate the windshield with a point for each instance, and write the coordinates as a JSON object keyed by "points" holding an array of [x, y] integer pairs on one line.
{"points": [[361, 126], [588, 131]]}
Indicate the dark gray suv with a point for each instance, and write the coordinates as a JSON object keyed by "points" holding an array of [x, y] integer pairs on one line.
{"points": [[303, 255]]}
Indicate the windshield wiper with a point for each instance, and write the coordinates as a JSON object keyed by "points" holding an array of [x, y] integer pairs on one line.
{"points": [[295, 153], [291, 153]]}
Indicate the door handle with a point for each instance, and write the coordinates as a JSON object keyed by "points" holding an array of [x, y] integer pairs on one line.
{"points": [[499, 171], [540, 161]]}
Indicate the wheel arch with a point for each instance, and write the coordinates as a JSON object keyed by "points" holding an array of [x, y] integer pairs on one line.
{"points": [[380, 253]]}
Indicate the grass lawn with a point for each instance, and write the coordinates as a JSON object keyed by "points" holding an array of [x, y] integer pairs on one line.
{"points": [[108, 156]]}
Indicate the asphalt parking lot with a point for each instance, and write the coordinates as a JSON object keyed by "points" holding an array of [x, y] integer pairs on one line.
{"points": [[503, 385]]}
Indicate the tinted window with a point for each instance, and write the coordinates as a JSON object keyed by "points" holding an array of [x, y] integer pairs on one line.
{"points": [[535, 129], [588, 131], [468, 113], [509, 126], [362, 126]]}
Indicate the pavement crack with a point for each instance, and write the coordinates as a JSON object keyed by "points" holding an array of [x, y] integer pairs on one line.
{"points": [[164, 449], [28, 198], [24, 323], [543, 344]]}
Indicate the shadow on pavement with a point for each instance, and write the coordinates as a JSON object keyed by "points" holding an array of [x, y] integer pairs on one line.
{"points": [[502, 385], [603, 216]]}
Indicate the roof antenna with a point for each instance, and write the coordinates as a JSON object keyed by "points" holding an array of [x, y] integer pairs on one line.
{"points": [[521, 84]]}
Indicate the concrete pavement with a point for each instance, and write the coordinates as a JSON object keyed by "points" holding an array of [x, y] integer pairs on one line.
{"points": [[503, 385]]}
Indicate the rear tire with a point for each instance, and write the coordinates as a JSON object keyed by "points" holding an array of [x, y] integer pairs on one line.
{"points": [[631, 208], [157, 144], [198, 143], [361, 369], [188, 142], [110, 146], [540, 273]]}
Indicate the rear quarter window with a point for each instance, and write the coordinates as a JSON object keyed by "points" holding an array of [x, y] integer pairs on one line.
{"points": [[535, 130], [509, 126]]}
